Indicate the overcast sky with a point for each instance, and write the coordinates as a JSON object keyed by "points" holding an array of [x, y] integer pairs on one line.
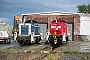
{"points": [[11, 8]]}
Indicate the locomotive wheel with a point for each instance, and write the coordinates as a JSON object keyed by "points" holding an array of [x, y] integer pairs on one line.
{"points": [[47, 42], [9, 42], [50, 40], [67, 39], [21, 42], [27, 42], [38, 40]]}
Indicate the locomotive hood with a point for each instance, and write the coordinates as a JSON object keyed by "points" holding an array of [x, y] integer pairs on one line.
{"points": [[58, 27]]}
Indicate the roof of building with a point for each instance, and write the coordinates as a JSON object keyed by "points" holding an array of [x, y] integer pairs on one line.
{"points": [[56, 13], [50, 13]]}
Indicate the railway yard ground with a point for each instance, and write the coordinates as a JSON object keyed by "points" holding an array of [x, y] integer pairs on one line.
{"points": [[72, 50]]}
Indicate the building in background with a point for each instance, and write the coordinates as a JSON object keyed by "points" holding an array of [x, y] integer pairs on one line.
{"points": [[17, 20], [84, 26], [78, 23], [45, 19]]}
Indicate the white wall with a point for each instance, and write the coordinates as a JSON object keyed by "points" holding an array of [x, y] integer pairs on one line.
{"points": [[84, 24]]}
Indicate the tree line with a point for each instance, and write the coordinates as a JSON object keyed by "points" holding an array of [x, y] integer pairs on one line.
{"points": [[83, 8]]}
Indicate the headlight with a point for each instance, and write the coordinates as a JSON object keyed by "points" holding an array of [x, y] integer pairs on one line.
{"points": [[52, 26], [59, 26]]}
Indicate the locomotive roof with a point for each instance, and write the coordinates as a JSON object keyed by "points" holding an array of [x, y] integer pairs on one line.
{"points": [[28, 21], [59, 20]]}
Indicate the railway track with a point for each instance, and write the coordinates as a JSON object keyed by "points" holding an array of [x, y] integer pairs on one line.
{"points": [[34, 52], [23, 48], [35, 55], [41, 52], [31, 56], [34, 47]]}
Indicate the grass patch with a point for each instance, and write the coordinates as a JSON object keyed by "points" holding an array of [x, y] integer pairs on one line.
{"points": [[71, 51], [60, 54], [2, 50], [53, 56], [66, 51], [10, 51], [88, 56], [50, 57]]}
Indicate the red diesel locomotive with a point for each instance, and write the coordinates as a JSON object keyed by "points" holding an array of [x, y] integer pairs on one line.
{"points": [[58, 33]]}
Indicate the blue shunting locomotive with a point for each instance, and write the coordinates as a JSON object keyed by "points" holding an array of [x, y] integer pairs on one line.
{"points": [[28, 33]]}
